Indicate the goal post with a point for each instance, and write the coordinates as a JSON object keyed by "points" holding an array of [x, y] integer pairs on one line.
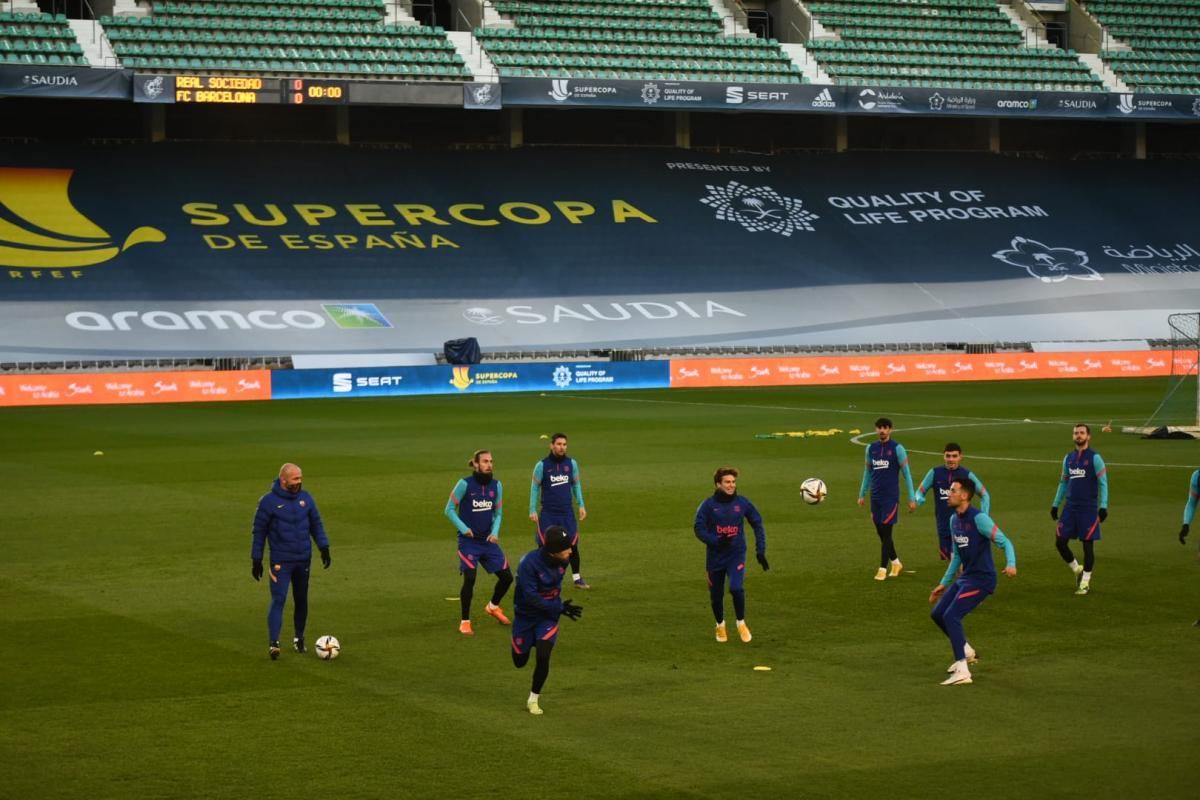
{"points": [[1180, 405]]}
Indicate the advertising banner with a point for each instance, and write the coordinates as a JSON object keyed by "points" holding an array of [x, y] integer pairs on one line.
{"points": [[785, 97], [101, 388], [924, 368], [32, 80], [490, 377], [975, 102], [1154, 106], [670, 95], [227, 250]]}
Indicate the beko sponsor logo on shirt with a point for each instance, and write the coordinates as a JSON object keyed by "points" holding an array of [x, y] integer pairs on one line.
{"points": [[880, 463], [346, 381], [481, 505], [619, 311], [559, 480], [1077, 472]]}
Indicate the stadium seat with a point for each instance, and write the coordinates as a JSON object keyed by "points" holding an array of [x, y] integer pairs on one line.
{"points": [[332, 37]]}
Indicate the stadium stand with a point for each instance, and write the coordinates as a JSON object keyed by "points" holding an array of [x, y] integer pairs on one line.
{"points": [[966, 44], [629, 39], [337, 38], [38, 38], [1162, 41]]}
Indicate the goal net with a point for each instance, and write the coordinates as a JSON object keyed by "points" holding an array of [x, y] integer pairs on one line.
{"points": [[1180, 405]]}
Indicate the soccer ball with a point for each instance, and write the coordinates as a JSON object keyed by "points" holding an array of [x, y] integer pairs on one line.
{"points": [[813, 491], [328, 648]]}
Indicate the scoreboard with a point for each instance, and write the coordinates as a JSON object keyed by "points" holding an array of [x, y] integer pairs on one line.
{"points": [[240, 90], [218, 90], [226, 89], [302, 91]]}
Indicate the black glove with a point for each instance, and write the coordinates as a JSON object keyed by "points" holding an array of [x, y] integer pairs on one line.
{"points": [[256, 569], [325, 559], [1054, 513], [1102, 514], [571, 610], [1183, 532], [762, 561]]}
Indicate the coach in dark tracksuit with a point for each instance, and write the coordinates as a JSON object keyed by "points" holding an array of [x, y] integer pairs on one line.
{"points": [[287, 517]]}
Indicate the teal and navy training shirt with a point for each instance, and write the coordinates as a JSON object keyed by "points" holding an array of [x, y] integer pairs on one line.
{"points": [[475, 506], [555, 482], [1084, 481]]}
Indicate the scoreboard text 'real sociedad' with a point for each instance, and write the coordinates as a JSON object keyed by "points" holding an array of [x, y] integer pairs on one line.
{"points": [[225, 89]]}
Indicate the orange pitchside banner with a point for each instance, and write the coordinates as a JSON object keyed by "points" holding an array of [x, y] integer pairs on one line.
{"points": [[96, 388], [921, 368]]}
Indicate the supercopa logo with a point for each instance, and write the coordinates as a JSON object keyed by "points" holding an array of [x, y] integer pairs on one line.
{"points": [[758, 208], [560, 89], [1048, 264], [562, 376], [40, 228]]}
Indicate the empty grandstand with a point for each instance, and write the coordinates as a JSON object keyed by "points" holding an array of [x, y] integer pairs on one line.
{"points": [[966, 44], [38, 38], [629, 39], [1153, 46], [317, 37]]}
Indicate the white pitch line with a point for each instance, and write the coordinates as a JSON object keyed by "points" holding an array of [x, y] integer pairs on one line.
{"points": [[975, 457], [978, 422], [999, 420]]}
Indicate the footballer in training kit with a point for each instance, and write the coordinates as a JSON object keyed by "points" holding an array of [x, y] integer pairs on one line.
{"points": [[939, 479], [886, 461], [556, 483], [720, 524], [539, 604], [1189, 511], [476, 508], [1084, 484], [973, 533]]}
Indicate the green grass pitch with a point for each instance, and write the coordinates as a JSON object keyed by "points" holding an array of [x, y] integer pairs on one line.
{"points": [[134, 654]]}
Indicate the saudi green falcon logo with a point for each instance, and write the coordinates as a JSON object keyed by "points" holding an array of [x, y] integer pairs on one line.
{"points": [[356, 315]]}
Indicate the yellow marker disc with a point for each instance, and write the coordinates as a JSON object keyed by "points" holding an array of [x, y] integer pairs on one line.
{"points": [[761, 668]]}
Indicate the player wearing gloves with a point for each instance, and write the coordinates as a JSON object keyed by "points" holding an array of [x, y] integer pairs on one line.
{"points": [[288, 519], [1084, 484], [1189, 511], [720, 524], [973, 534], [538, 606]]}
